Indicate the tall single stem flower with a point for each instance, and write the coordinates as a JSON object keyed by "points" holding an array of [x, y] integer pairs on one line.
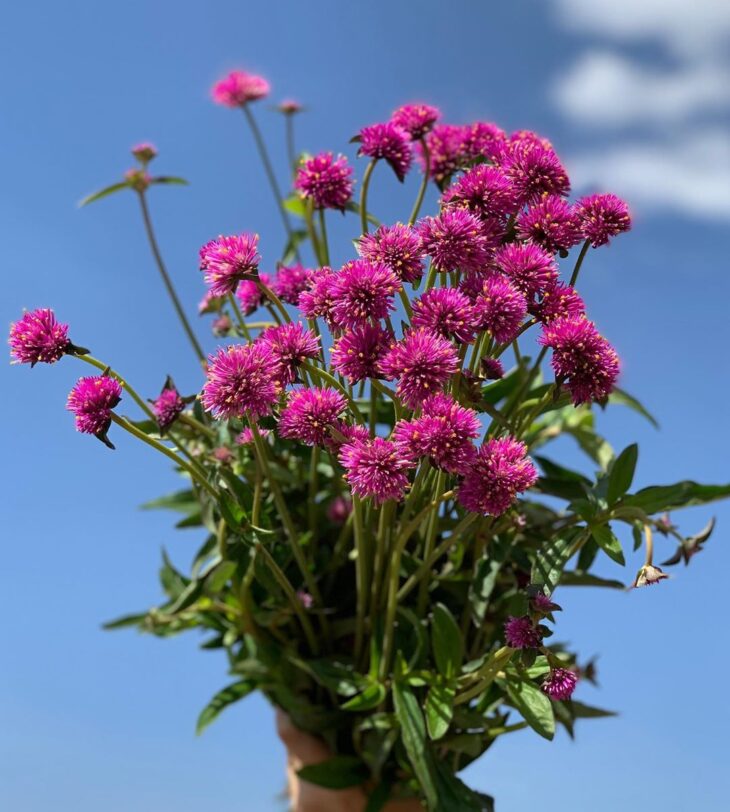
{"points": [[457, 240], [239, 88], [240, 382], [38, 338], [310, 413], [398, 246], [226, 261], [325, 180], [600, 217], [357, 353], [416, 119], [388, 142], [375, 468], [91, 401], [363, 291]]}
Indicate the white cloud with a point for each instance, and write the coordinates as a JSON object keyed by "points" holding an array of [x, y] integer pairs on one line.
{"points": [[607, 89], [689, 175]]}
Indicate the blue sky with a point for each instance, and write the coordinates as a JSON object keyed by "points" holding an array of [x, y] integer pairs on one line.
{"points": [[634, 96]]}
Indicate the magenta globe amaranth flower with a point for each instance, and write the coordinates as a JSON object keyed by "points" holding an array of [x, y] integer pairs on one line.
{"points": [[317, 300], [339, 509], [498, 474], [582, 358], [445, 152], [240, 382], [168, 406], [558, 301], [91, 401], [521, 632], [398, 246], [600, 217], [246, 436], [238, 88], [447, 312], [549, 222], [416, 119], [457, 240], [500, 308], [226, 261], [310, 413], [251, 295], [38, 338], [482, 139], [484, 190], [357, 353], [390, 143], [530, 268], [290, 281], [326, 181], [363, 291], [375, 468], [560, 683], [491, 368], [534, 170], [422, 362], [290, 344]]}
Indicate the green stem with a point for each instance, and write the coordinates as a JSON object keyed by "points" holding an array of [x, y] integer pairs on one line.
{"points": [[424, 183], [239, 316], [167, 281], [95, 362], [290, 149], [406, 303], [324, 247], [361, 575], [276, 301], [197, 425], [579, 262], [364, 195], [313, 490], [428, 545]]}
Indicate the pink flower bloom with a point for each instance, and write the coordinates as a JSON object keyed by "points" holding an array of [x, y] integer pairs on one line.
{"points": [[444, 433], [240, 381], [310, 413], [423, 362], [223, 455], [228, 260], [326, 180], [245, 437], [560, 683], [528, 137], [339, 509], [343, 433], [534, 170], [447, 312], [484, 190], [363, 291], [582, 358], [356, 354], [521, 632], [290, 281], [482, 139], [91, 401], [375, 468], [500, 471], [457, 240], [38, 337], [445, 147], [168, 406], [250, 295], [317, 301], [492, 368], [500, 308], [543, 604], [290, 344], [559, 301], [398, 246], [530, 269], [144, 152], [550, 222], [306, 600], [600, 217], [222, 326], [239, 88], [416, 119], [390, 143]]}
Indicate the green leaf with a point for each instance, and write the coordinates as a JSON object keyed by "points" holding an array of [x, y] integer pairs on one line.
{"points": [[180, 501], [621, 474], [379, 797], [295, 205], [482, 585], [413, 735], [619, 396], [169, 179], [582, 711], [439, 710], [125, 621], [454, 795], [292, 244], [670, 497], [587, 579], [105, 192], [552, 558], [610, 545], [448, 647], [339, 772], [370, 698], [535, 707], [230, 694]]}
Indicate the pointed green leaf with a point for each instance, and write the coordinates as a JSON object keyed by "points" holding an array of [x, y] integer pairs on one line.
{"points": [[610, 545], [229, 695], [448, 647], [170, 179], [587, 579], [619, 396], [339, 772], [105, 192], [535, 707], [413, 735], [621, 474], [670, 497], [439, 710], [552, 558], [370, 698]]}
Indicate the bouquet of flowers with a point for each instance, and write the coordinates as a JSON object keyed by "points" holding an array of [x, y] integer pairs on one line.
{"points": [[369, 454]]}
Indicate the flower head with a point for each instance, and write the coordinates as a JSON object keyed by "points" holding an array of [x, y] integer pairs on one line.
{"points": [[356, 354], [343, 433], [138, 178], [310, 413], [416, 119], [398, 246], [290, 281], [534, 170], [549, 222], [457, 240], [228, 260], [363, 291], [317, 301], [38, 337], [530, 268], [582, 358], [339, 509], [289, 107], [447, 312], [239, 88], [491, 368], [560, 683], [649, 575], [500, 471], [222, 326], [500, 308], [210, 303], [375, 468], [246, 436], [144, 152], [290, 344], [240, 381], [484, 190], [390, 143], [482, 139], [445, 152], [251, 295], [521, 632], [167, 406], [91, 401], [422, 362], [558, 301], [543, 604], [326, 180], [600, 217]]}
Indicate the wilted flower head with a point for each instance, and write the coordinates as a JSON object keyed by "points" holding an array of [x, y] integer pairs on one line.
{"points": [[582, 358], [390, 143], [210, 303], [290, 344], [363, 291], [530, 268], [398, 246], [416, 119], [326, 180], [484, 190], [317, 301], [534, 170], [339, 509], [549, 222], [310, 413], [375, 468], [445, 150], [91, 401], [240, 381], [228, 260], [250, 294], [560, 683], [38, 338], [521, 632], [167, 406], [500, 308], [649, 575], [559, 301], [447, 312], [422, 362], [356, 354], [144, 152], [500, 471], [290, 281], [600, 217], [239, 88], [457, 240]]}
